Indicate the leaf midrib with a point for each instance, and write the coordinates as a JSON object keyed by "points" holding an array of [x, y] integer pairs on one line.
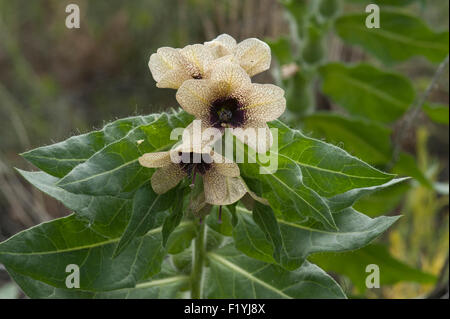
{"points": [[103, 243], [245, 273]]}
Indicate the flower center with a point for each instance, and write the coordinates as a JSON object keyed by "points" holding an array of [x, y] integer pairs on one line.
{"points": [[193, 163], [226, 112]]}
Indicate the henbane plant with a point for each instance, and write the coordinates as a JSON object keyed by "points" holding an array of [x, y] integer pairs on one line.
{"points": [[150, 221]]}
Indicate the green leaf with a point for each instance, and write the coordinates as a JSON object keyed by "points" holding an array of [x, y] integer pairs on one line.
{"points": [[307, 169], [44, 251], [165, 285], [173, 220], [399, 37], [115, 168], [407, 166], [369, 141], [353, 265], [367, 91], [225, 227], [251, 239], [149, 210], [381, 197], [301, 239], [281, 50], [107, 215], [383, 201], [60, 158], [180, 239], [233, 275], [437, 112], [265, 218]]}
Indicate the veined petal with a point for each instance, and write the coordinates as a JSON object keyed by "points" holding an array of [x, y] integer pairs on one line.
{"points": [[195, 96], [173, 79], [164, 60], [200, 133], [222, 190], [153, 160], [253, 56], [232, 77], [255, 134], [198, 57], [166, 178], [222, 45], [226, 169], [264, 102]]}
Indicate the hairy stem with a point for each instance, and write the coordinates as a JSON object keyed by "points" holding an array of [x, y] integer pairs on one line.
{"points": [[198, 262]]}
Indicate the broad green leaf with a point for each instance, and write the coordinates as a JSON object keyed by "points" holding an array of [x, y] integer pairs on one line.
{"points": [[399, 37], [265, 218], [367, 91], [353, 265], [107, 215], [60, 158], [369, 141], [437, 112], [43, 253], [233, 275], [176, 214], [301, 239], [306, 170], [347, 199], [165, 285], [180, 239], [115, 168], [224, 227], [149, 209], [382, 201], [250, 239]]}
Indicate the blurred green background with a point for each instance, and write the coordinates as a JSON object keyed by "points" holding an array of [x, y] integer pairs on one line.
{"points": [[57, 82]]}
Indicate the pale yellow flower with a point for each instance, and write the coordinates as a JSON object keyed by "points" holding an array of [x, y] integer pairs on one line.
{"points": [[251, 54], [170, 67], [228, 99], [221, 179]]}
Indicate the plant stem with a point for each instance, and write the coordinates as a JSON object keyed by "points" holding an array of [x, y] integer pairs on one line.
{"points": [[198, 262]]}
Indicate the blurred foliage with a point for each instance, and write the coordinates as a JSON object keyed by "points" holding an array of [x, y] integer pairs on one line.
{"points": [[344, 83], [377, 94]]}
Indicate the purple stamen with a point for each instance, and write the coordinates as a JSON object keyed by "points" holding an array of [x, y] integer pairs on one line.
{"points": [[200, 221]]}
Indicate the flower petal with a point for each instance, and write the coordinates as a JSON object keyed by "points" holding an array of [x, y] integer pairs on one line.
{"points": [[222, 45], [253, 56], [222, 190], [256, 134], [225, 166], [157, 159], [166, 178], [197, 57], [264, 102], [164, 60], [195, 96], [173, 79], [231, 76], [199, 135]]}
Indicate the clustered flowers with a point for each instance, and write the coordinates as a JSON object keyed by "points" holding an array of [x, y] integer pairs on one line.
{"points": [[213, 83]]}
